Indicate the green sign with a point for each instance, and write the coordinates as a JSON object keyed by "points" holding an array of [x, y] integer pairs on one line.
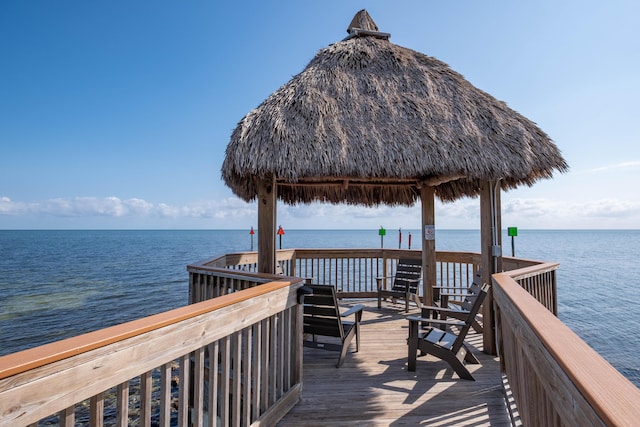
{"points": [[382, 232], [512, 231]]}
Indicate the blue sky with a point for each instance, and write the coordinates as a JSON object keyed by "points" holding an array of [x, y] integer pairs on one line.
{"points": [[117, 114]]}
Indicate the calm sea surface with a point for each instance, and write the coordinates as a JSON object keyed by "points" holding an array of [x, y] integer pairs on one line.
{"points": [[56, 284]]}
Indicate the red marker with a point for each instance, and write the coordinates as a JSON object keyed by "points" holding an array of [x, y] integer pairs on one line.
{"points": [[280, 233]]}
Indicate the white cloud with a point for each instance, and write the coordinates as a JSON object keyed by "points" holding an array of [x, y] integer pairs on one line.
{"points": [[232, 212], [617, 166], [551, 213], [8, 207], [610, 208], [462, 214], [168, 211], [139, 206], [79, 207]]}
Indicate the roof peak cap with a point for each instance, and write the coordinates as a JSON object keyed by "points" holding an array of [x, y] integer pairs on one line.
{"points": [[363, 25]]}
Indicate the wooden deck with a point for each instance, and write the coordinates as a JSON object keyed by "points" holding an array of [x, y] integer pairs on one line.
{"points": [[374, 388]]}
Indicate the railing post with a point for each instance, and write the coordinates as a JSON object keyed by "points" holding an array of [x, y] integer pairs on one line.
{"points": [[488, 268], [427, 197], [384, 265], [554, 293], [191, 296], [267, 226], [292, 265]]}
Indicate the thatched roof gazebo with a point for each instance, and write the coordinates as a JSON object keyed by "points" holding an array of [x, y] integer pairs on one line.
{"points": [[369, 122]]}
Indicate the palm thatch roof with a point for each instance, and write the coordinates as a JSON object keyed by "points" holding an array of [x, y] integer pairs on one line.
{"points": [[369, 122]]}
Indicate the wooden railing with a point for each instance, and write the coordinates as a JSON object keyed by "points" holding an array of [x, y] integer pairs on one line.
{"points": [[206, 281], [352, 271], [555, 378], [234, 354], [234, 360]]}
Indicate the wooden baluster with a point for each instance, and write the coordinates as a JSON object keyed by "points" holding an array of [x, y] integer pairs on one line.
{"points": [[165, 394], [97, 410], [67, 417], [145, 399], [183, 390], [122, 404], [198, 387]]}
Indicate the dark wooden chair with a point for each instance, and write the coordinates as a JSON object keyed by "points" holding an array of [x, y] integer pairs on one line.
{"points": [[444, 343], [456, 304], [404, 285], [322, 317]]}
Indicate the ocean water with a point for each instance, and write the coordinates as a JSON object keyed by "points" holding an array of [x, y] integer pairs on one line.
{"points": [[57, 284]]}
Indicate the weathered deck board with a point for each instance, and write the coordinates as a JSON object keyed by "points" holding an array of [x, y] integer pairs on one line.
{"points": [[374, 388]]}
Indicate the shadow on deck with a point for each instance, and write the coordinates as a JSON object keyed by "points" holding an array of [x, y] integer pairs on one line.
{"points": [[374, 388]]}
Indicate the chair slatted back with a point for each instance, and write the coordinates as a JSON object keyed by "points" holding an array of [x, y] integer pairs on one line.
{"points": [[322, 313], [407, 277], [470, 317], [473, 292]]}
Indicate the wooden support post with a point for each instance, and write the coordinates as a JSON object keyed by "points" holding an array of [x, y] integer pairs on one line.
{"points": [[427, 197], [491, 262], [267, 226], [497, 215]]}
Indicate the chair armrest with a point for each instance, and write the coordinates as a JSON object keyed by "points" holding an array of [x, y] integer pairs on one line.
{"points": [[456, 294], [449, 300], [436, 321], [355, 309], [380, 281], [437, 308], [442, 309]]}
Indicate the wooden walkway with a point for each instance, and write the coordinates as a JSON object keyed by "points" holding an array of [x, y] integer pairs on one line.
{"points": [[374, 388]]}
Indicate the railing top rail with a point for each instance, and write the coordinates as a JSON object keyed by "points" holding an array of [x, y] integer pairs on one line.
{"points": [[541, 267], [237, 274], [614, 398], [25, 360], [219, 260], [358, 252], [302, 253]]}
